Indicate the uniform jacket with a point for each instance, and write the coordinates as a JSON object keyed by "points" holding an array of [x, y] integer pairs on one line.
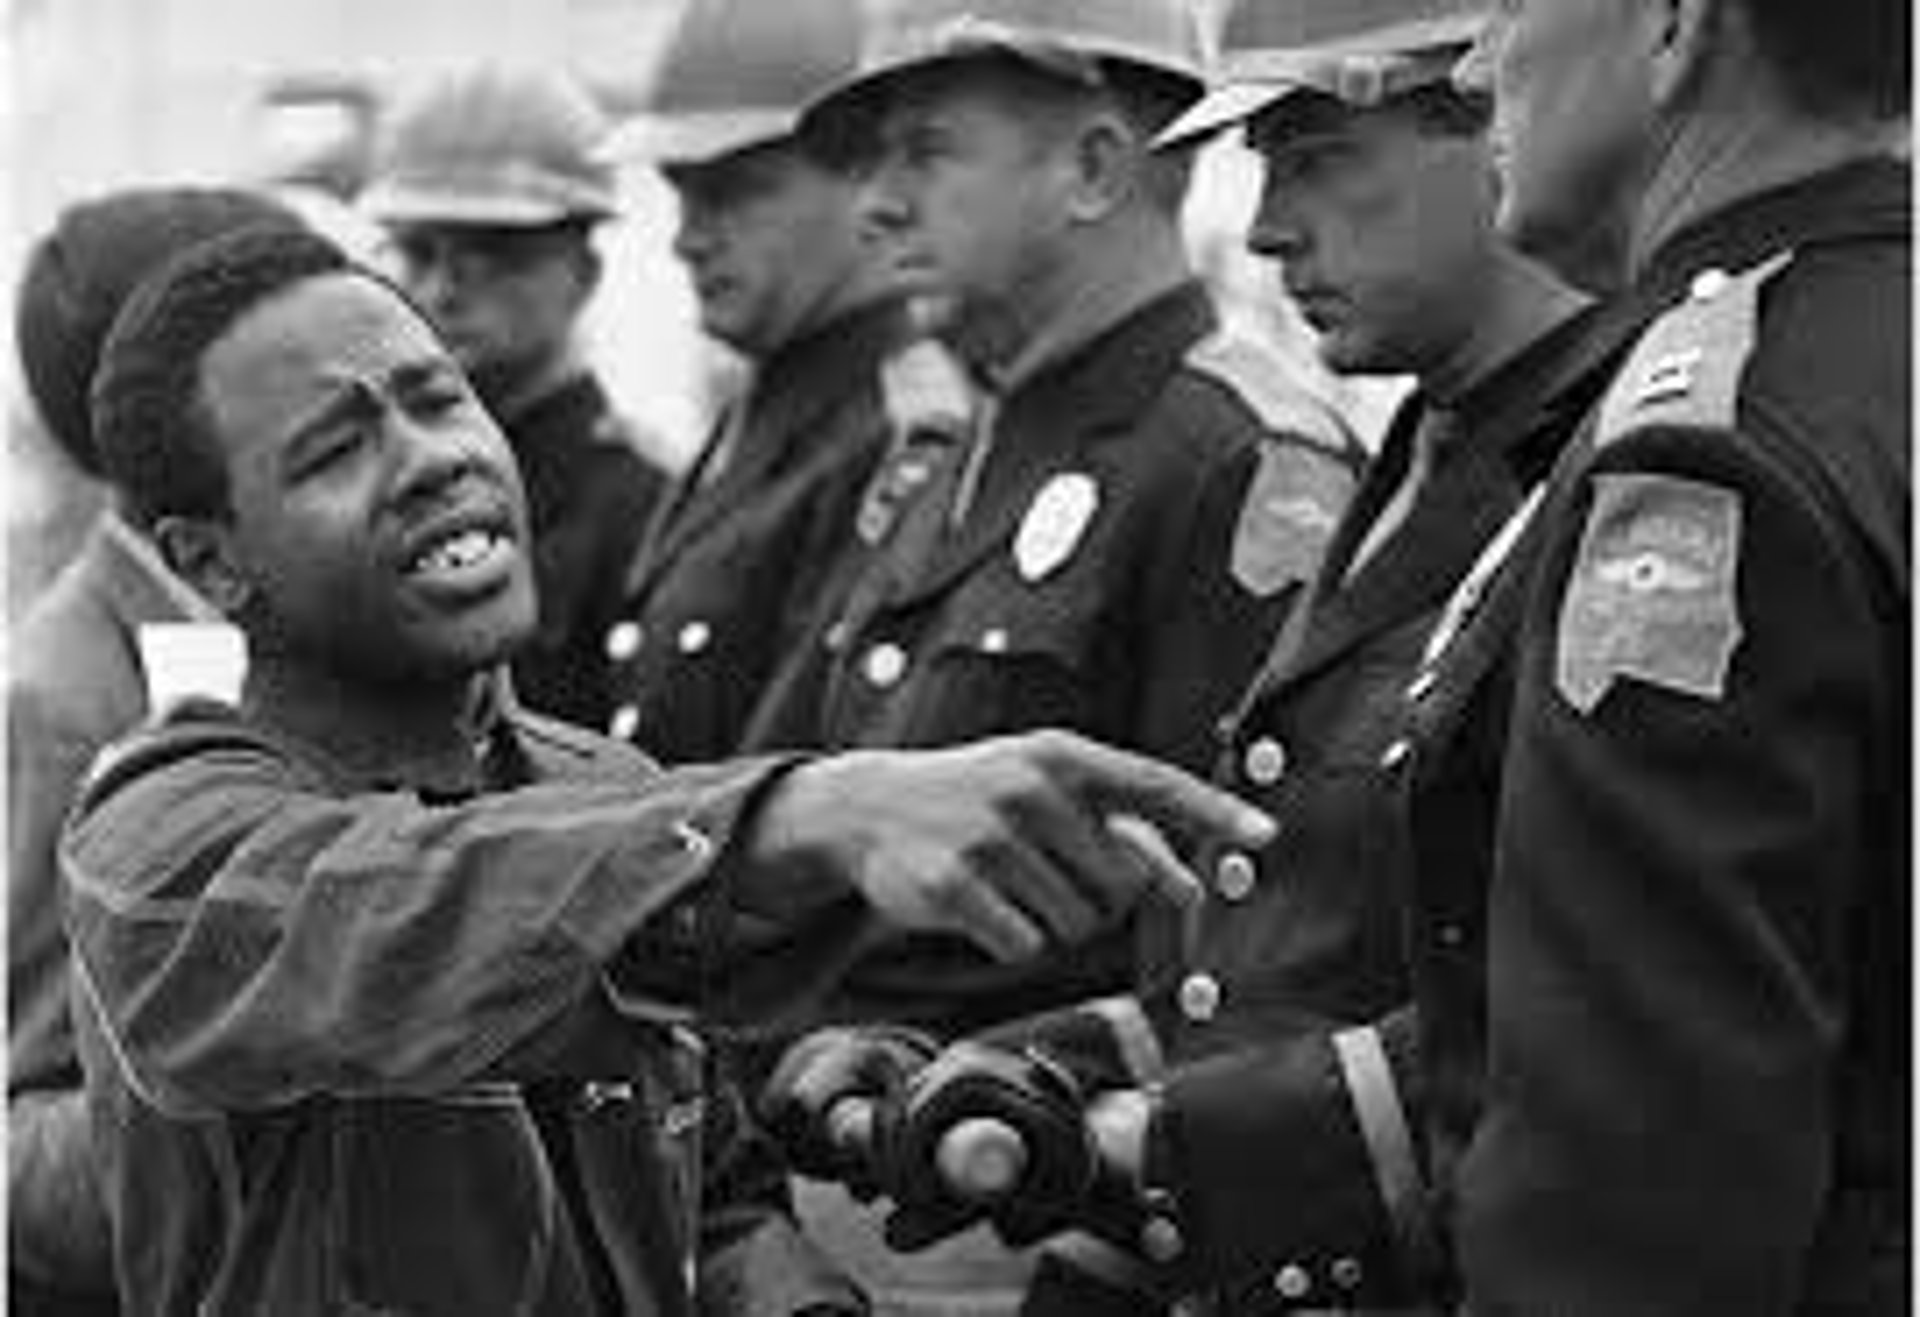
{"points": [[1711, 787], [1149, 511], [737, 559], [1658, 1056], [1309, 934], [398, 1047], [589, 496], [77, 682]]}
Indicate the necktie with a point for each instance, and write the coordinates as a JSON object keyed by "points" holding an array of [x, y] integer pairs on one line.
{"points": [[1435, 425]]}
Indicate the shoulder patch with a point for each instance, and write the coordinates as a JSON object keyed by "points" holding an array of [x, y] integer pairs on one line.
{"points": [[1652, 594], [1272, 388], [1686, 368], [1293, 503]]}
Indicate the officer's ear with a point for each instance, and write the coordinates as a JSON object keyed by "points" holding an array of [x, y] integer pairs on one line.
{"points": [[1105, 160], [587, 267], [1683, 34], [201, 552]]}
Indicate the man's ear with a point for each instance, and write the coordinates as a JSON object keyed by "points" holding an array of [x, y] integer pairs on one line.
{"points": [[1105, 164], [1682, 37], [201, 552], [588, 267]]}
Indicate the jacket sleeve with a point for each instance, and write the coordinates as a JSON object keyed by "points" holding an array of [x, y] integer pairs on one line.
{"points": [[248, 937], [1284, 1175], [1704, 709], [1288, 1174]]}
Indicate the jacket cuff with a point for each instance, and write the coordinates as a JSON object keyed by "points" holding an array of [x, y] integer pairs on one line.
{"points": [[1268, 1185]]}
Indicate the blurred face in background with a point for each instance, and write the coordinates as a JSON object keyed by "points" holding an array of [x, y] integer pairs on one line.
{"points": [[772, 243], [504, 299], [1381, 225]]}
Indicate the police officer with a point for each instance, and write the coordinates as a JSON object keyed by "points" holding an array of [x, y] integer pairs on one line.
{"points": [[1139, 500], [746, 543], [1378, 207], [1660, 1060], [1712, 749], [487, 182]]}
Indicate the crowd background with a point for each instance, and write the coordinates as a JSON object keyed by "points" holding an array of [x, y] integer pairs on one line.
{"points": [[287, 95]]}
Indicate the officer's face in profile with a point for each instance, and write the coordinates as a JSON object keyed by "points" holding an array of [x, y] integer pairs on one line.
{"points": [[1381, 226], [771, 241], [972, 184], [1572, 86], [504, 298], [376, 527]]}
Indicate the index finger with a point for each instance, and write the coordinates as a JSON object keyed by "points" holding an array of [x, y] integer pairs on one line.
{"points": [[1122, 782]]}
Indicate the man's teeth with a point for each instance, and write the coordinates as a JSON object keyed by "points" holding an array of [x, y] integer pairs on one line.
{"points": [[463, 550]]}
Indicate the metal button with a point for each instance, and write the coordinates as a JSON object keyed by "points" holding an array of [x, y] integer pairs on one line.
{"points": [[1160, 1239], [1200, 996], [1347, 1274], [1292, 1281], [694, 637], [1236, 875], [1452, 935], [1708, 284], [994, 640], [623, 641], [885, 665], [1265, 761], [1392, 756], [1422, 685], [696, 843], [624, 723]]}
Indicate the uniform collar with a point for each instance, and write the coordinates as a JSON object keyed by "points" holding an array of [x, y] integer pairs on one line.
{"points": [[828, 363], [1113, 374], [1864, 199], [1560, 372]]}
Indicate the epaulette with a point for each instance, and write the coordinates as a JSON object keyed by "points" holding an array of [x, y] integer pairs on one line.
{"points": [[1685, 370], [1270, 386]]}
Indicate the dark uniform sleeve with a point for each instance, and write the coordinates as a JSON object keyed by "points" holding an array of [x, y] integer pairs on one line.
{"points": [[1289, 1173], [1708, 720], [247, 937], [1284, 1175]]}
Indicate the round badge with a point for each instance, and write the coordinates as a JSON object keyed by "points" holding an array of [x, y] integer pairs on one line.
{"points": [[1055, 521]]}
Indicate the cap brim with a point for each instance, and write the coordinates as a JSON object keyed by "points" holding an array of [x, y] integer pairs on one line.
{"points": [[696, 137], [390, 204], [1220, 109], [841, 120]]}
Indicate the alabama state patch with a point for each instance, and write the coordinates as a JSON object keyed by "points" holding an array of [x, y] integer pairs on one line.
{"points": [[1653, 593]]}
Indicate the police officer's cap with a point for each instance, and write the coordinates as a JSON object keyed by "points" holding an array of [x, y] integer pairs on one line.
{"points": [[1081, 43], [1361, 52], [492, 145], [735, 75]]}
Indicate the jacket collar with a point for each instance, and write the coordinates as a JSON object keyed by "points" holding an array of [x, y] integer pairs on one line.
{"points": [[1048, 424], [1866, 199], [786, 408], [1511, 428]]}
